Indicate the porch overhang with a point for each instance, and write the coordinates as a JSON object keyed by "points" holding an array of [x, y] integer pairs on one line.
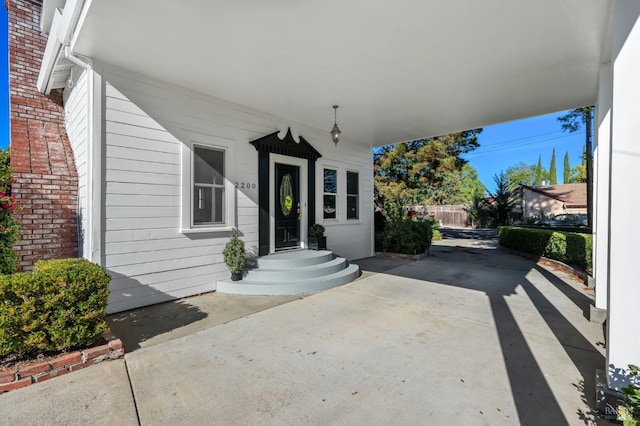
{"points": [[399, 70]]}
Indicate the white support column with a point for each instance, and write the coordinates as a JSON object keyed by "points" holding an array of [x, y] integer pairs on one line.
{"points": [[623, 344], [602, 171]]}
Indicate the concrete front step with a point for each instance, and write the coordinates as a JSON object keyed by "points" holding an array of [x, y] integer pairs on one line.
{"points": [[294, 258], [294, 272]]}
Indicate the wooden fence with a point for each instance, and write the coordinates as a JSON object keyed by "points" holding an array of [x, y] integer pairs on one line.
{"points": [[448, 215]]}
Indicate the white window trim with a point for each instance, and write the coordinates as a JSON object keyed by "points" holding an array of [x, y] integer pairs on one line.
{"points": [[346, 196], [186, 219], [341, 195]]}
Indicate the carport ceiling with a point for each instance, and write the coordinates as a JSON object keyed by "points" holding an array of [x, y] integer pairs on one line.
{"points": [[399, 69]]}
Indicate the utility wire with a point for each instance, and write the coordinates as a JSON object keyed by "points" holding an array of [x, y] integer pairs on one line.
{"points": [[475, 153], [522, 138]]}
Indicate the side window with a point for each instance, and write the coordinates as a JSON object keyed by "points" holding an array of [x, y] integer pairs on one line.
{"points": [[330, 194], [352, 195], [208, 187]]}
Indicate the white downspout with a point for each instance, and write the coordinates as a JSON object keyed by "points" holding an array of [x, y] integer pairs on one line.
{"points": [[92, 252]]}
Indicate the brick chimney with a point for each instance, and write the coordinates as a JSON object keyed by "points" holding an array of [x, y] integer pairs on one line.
{"points": [[41, 155]]}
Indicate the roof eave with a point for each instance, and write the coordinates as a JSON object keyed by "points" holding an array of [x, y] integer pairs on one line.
{"points": [[54, 69]]}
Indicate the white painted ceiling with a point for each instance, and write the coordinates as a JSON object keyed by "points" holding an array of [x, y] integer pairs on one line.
{"points": [[399, 70]]}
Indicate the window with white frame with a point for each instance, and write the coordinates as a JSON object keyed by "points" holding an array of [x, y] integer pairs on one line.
{"points": [[208, 187], [352, 195], [330, 194]]}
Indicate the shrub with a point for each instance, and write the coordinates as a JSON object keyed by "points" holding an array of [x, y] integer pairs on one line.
{"points": [[629, 413], [8, 226], [316, 230], [234, 253], [405, 236], [61, 304], [567, 247]]}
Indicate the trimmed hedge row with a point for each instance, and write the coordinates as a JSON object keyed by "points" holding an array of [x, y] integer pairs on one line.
{"points": [[405, 236], [61, 304], [567, 247]]}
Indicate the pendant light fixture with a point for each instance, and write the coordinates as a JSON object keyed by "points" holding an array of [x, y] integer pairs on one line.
{"points": [[335, 132]]}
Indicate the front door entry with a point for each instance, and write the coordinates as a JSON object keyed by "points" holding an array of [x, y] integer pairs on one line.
{"points": [[287, 206]]}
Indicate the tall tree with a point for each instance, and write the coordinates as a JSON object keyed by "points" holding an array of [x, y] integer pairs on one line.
{"points": [[571, 122], [539, 172], [424, 171], [567, 169], [553, 173], [503, 199]]}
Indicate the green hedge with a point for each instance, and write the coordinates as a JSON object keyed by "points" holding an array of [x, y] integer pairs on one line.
{"points": [[567, 247], [61, 304], [405, 236]]}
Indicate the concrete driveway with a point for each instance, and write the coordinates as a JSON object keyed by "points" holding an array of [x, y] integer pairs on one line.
{"points": [[468, 335]]}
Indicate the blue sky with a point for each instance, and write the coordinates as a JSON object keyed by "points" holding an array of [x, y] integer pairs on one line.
{"points": [[501, 145], [508, 144]]}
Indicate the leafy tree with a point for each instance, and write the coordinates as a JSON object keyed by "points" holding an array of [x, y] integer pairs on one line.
{"points": [[578, 174], [521, 174], [478, 212], [553, 173], [571, 122], [567, 169], [471, 186], [539, 172], [424, 171], [503, 199]]}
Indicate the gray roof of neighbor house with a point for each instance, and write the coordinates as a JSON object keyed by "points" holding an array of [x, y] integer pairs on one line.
{"points": [[572, 194]]}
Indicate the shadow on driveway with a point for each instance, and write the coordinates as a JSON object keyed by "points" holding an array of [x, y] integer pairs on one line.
{"points": [[466, 259]]}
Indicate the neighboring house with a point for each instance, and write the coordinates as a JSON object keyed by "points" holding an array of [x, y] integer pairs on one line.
{"points": [[553, 199], [118, 106]]}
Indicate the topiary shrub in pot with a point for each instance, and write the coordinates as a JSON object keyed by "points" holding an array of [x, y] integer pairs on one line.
{"points": [[317, 240], [234, 256]]}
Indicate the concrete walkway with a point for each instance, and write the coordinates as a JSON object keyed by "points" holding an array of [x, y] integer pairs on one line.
{"points": [[470, 335]]}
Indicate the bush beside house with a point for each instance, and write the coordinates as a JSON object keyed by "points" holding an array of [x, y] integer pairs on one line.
{"points": [[8, 226], [405, 236], [570, 248], [60, 305]]}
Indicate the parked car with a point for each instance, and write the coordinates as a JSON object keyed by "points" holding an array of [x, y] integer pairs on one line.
{"points": [[567, 219]]}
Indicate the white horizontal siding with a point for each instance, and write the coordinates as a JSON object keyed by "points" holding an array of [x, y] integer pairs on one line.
{"points": [[146, 124]]}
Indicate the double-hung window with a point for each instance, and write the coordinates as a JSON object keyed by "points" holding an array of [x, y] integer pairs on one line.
{"points": [[352, 195], [330, 197], [208, 187]]}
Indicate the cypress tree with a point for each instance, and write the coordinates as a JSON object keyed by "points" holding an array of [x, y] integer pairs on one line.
{"points": [[539, 172], [567, 168], [553, 174]]}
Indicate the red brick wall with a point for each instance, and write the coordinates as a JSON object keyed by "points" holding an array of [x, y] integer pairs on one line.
{"points": [[41, 156]]}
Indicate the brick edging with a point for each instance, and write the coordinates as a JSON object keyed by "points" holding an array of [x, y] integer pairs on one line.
{"points": [[390, 255], [67, 363]]}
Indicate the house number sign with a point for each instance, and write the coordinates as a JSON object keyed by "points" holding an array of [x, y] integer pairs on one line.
{"points": [[245, 185]]}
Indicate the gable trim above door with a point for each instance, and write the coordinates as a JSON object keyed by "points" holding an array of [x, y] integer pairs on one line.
{"points": [[272, 144]]}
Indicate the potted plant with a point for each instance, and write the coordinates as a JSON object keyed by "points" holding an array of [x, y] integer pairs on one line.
{"points": [[234, 256], [317, 240]]}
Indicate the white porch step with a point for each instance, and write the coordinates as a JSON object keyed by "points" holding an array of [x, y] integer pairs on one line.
{"points": [[295, 272], [294, 258]]}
